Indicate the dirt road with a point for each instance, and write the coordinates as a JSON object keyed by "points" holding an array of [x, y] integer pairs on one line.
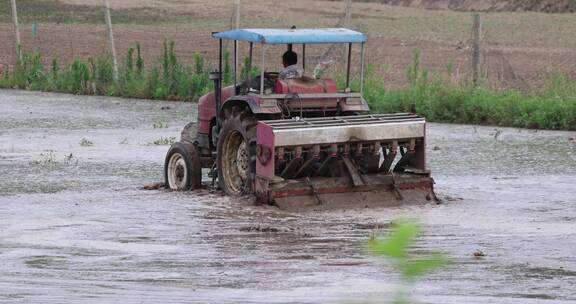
{"points": [[76, 228]]}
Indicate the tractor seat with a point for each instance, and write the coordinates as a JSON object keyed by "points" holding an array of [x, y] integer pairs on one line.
{"points": [[305, 85]]}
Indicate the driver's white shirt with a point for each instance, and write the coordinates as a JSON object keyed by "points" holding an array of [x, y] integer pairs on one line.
{"points": [[291, 71]]}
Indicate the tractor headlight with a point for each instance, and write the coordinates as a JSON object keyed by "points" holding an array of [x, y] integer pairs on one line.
{"points": [[353, 101], [268, 103]]}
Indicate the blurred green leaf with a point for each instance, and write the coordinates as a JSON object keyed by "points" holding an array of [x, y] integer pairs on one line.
{"points": [[401, 237], [412, 269]]}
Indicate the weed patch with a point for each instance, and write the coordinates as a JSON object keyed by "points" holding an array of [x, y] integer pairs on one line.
{"points": [[168, 79], [427, 94], [163, 141], [160, 125], [86, 143], [443, 102], [48, 161]]}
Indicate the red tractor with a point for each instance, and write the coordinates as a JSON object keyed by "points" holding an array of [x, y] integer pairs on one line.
{"points": [[300, 141]]}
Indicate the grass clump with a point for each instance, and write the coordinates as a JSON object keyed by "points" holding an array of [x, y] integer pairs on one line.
{"points": [[160, 125], [47, 160], [29, 72], [168, 79], [86, 142], [6, 79], [164, 141], [426, 94], [441, 102], [176, 81]]}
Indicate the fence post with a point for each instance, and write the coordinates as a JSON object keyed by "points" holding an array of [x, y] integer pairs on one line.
{"points": [[16, 29], [237, 13], [476, 35], [110, 36], [237, 17], [348, 15]]}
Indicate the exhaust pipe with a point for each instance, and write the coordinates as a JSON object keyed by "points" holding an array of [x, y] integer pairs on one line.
{"points": [[216, 77]]}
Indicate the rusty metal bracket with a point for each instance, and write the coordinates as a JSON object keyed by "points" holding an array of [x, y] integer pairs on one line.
{"points": [[214, 174], [309, 163], [293, 165], [306, 167], [314, 191], [291, 168], [396, 189], [353, 171], [324, 166], [406, 157], [432, 195]]}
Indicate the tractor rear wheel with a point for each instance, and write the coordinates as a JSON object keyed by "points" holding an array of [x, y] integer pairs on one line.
{"points": [[182, 167], [236, 153]]}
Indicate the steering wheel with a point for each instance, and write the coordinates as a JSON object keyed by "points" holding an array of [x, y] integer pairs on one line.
{"points": [[269, 82], [271, 75]]}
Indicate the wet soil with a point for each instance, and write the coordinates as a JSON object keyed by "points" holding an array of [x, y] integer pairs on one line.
{"points": [[75, 226]]}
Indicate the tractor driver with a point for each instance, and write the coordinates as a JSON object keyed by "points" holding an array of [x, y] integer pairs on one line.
{"points": [[291, 70]]}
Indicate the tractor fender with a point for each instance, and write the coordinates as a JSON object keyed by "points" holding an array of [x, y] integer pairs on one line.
{"points": [[188, 134], [254, 103]]}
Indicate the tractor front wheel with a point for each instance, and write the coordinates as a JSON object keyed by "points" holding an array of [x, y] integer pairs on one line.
{"points": [[236, 153], [182, 168]]}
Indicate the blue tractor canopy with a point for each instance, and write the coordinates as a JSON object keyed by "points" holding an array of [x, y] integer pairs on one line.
{"points": [[292, 37]]}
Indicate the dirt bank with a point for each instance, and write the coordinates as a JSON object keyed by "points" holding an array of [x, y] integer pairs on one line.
{"points": [[520, 50], [547, 6]]}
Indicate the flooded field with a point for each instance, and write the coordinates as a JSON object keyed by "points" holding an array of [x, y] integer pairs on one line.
{"points": [[75, 226]]}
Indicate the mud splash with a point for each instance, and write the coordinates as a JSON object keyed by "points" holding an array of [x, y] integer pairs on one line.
{"points": [[79, 230]]}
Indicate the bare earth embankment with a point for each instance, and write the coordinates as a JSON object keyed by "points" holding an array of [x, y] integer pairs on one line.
{"points": [[520, 49], [547, 6]]}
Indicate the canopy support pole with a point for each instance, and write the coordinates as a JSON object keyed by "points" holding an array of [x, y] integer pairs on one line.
{"points": [[262, 67], [249, 67], [219, 87], [304, 57], [362, 59], [348, 68], [235, 65]]}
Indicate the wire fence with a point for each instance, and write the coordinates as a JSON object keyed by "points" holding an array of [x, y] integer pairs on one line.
{"points": [[520, 51]]}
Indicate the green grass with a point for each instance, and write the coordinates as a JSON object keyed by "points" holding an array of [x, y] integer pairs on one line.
{"points": [[556, 109], [441, 102], [426, 94], [163, 141], [168, 79], [478, 106]]}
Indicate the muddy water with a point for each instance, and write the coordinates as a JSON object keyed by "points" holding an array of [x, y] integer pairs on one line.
{"points": [[75, 228]]}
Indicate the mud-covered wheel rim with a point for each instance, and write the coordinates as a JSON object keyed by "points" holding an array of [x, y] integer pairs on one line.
{"points": [[177, 172], [235, 163]]}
